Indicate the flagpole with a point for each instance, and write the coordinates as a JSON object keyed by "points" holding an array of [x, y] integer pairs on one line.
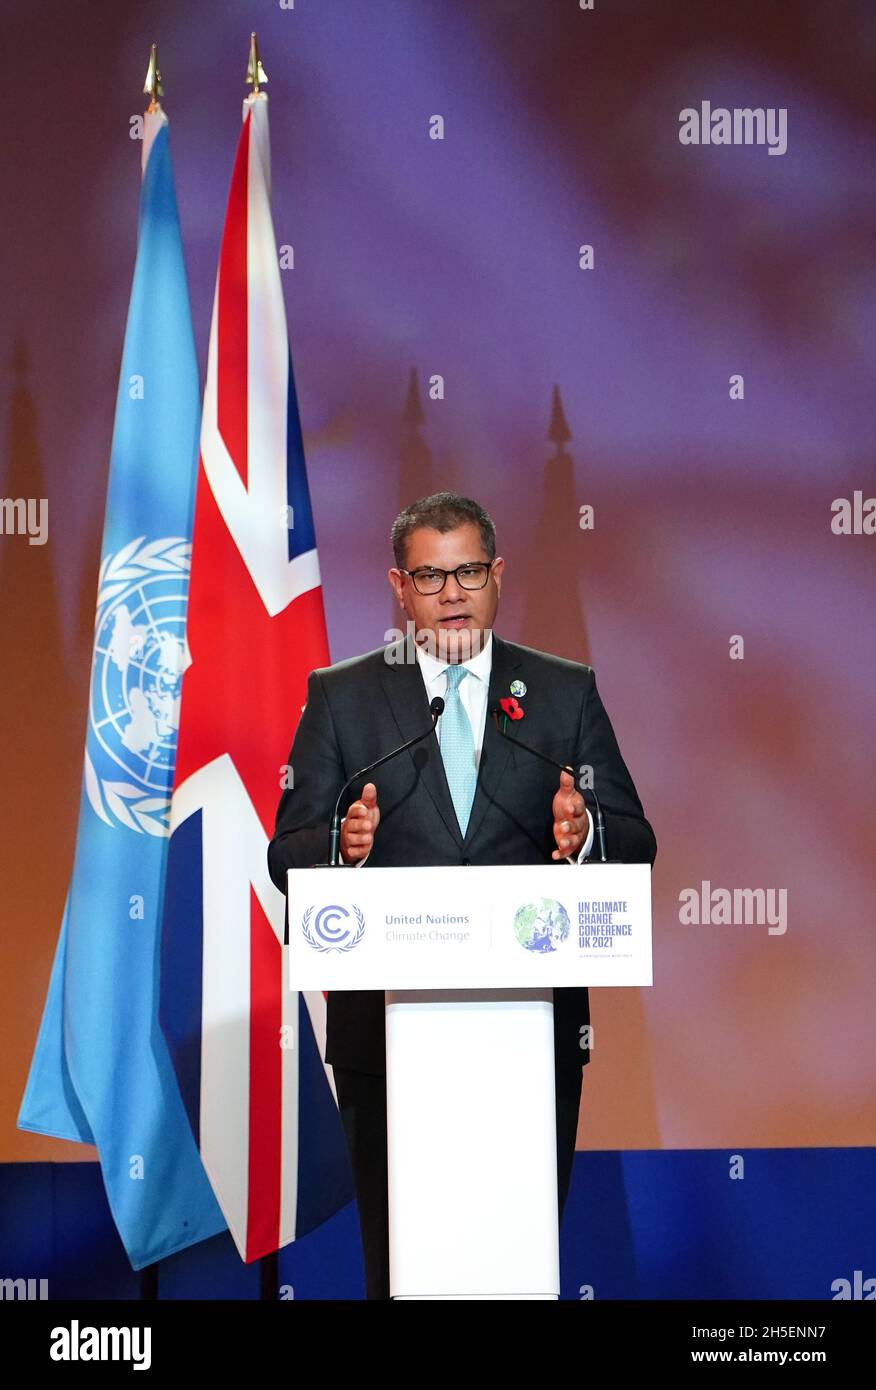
{"points": [[153, 89], [269, 1265]]}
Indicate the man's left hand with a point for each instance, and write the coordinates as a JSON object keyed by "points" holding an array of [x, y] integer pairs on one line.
{"points": [[570, 818]]}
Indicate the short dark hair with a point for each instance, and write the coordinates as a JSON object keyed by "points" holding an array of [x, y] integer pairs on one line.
{"points": [[443, 511]]}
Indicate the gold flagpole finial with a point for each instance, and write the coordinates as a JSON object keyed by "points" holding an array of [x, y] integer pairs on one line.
{"points": [[255, 73], [152, 87]]}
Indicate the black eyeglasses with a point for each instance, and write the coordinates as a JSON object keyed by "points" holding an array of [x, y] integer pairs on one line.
{"points": [[429, 580]]}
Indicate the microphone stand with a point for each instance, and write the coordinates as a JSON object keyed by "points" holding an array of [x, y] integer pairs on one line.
{"points": [[436, 709]]}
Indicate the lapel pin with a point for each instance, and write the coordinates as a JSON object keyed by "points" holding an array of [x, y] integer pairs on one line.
{"points": [[518, 689], [510, 709]]}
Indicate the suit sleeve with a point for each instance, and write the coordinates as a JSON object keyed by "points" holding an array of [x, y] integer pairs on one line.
{"points": [[628, 835], [304, 813]]}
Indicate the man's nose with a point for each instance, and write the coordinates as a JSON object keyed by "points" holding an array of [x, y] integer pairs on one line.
{"points": [[453, 590]]}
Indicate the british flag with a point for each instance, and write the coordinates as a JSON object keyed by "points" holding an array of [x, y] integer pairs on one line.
{"points": [[247, 1051]]}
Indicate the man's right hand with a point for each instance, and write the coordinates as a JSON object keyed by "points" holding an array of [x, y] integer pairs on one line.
{"points": [[359, 825]]}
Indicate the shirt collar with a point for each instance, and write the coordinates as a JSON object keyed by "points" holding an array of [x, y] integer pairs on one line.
{"points": [[479, 665]]}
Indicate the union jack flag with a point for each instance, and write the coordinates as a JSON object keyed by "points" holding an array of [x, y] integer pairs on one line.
{"points": [[247, 1050]]}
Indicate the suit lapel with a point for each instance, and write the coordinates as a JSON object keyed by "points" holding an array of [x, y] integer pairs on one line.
{"points": [[495, 750]]}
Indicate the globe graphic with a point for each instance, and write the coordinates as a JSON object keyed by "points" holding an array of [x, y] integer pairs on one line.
{"points": [[541, 925], [137, 679]]}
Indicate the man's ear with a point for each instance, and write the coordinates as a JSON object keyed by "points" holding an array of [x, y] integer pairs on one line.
{"points": [[498, 569], [396, 580]]}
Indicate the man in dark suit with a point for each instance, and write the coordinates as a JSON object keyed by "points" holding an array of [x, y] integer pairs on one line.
{"points": [[462, 796]]}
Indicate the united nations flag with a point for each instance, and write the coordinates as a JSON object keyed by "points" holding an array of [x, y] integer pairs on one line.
{"points": [[101, 1072]]}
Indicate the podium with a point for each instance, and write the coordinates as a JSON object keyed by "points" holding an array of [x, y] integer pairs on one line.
{"points": [[468, 958]]}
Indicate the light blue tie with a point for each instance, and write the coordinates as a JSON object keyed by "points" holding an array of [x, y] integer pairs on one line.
{"points": [[458, 748]]}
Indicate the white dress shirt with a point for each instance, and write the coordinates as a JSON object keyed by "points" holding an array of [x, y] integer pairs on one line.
{"points": [[473, 693]]}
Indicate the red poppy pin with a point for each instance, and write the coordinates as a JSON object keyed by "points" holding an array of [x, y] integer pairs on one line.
{"points": [[511, 707]]}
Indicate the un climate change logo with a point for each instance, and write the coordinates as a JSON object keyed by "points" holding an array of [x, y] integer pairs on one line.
{"points": [[542, 925], [334, 928], [139, 659]]}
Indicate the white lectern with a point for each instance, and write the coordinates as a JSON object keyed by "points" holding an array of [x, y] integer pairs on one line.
{"points": [[468, 959]]}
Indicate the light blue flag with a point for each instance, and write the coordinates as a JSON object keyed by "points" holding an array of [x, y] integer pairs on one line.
{"points": [[101, 1072]]}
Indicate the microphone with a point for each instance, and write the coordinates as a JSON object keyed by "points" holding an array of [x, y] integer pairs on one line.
{"points": [[599, 826], [436, 709]]}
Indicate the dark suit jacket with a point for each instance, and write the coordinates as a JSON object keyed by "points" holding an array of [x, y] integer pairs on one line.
{"points": [[360, 709]]}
